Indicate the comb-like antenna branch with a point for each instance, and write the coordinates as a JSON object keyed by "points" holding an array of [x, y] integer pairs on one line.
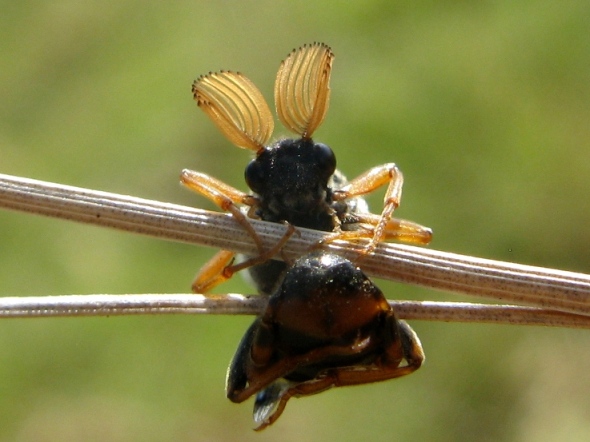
{"points": [[302, 88], [237, 108]]}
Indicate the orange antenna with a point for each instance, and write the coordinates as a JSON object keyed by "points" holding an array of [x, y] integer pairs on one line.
{"points": [[237, 108], [302, 88]]}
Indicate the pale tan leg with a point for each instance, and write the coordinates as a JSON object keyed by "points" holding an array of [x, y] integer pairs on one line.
{"points": [[213, 272], [396, 229], [224, 196], [400, 229], [219, 268], [383, 225]]}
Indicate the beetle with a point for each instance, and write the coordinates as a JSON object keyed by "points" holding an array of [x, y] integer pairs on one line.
{"points": [[327, 325], [293, 180]]}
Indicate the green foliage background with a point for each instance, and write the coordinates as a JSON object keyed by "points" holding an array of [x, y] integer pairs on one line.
{"points": [[484, 105]]}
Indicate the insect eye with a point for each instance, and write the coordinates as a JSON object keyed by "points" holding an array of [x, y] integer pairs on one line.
{"points": [[325, 159], [255, 176]]}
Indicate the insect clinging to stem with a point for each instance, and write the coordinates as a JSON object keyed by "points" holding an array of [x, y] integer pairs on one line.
{"points": [[325, 324], [292, 180]]}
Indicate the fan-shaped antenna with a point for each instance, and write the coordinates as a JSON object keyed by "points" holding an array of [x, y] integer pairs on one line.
{"points": [[302, 88], [237, 108]]}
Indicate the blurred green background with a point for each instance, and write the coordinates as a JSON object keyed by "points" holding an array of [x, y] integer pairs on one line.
{"points": [[484, 105]]}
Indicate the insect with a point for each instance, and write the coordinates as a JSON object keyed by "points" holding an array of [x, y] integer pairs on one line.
{"points": [[292, 180], [327, 325]]}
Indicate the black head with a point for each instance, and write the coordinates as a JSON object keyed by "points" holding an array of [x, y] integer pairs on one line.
{"points": [[291, 180]]}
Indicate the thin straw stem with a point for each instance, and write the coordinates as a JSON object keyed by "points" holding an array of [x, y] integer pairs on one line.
{"points": [[515, 283], [232, 304]]}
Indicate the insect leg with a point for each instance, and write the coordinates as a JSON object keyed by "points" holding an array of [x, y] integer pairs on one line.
{"points": [[395, 229], [411, 345], [224, 196], [368, 182], [220, 268], [214, 272]]}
